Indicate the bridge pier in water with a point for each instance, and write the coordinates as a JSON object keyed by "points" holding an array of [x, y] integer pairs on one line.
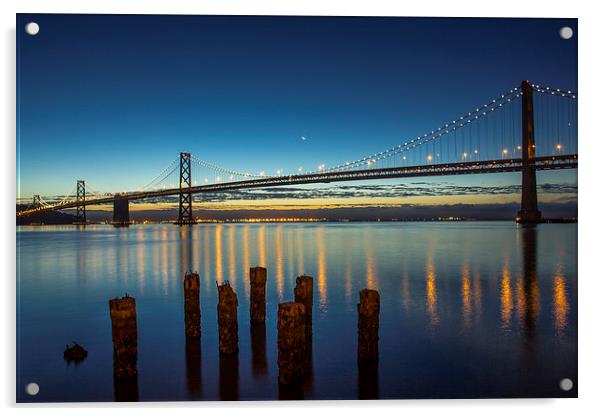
{"points": [[121, 211], [528, 211]]}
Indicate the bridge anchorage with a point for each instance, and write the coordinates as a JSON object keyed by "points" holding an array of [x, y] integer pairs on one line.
{"points": [[121, 210]]}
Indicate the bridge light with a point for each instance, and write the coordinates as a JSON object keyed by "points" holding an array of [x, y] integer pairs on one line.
{"points": [[476, 151], [558, 147], [218, 179], [231, 177], [429, 158], [518, 147], [505, 152]]}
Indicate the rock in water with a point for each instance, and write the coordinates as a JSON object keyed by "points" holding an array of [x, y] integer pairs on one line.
{"points": [[75, 353]]}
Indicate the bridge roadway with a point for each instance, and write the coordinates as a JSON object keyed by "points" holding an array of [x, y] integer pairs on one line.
{"points": [[461, 168]]}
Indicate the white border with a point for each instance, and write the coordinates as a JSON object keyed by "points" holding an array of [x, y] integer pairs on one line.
{"points": [[589, 202]]}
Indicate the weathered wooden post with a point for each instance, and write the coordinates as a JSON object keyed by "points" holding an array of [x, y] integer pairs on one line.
{"points": [[367, 325], [125, 336], [227, 319], [304, 293], [258, 281], [291, 343], [192, 308]]}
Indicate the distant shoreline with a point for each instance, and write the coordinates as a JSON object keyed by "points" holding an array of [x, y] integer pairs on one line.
{"points": [[315, 220]]}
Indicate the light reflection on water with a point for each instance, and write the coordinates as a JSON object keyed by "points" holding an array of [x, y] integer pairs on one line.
{"points": [[468, 309]]}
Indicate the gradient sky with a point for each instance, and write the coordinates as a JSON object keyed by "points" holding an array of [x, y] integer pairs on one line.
{"points": [[113, 99]]}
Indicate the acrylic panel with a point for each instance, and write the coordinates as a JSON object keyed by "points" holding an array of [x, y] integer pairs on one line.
{"points": [[287, 207]]}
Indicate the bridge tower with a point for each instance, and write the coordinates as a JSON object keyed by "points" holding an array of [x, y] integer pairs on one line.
{"points": [[36, 201], [185, 212], [528, 210], [80, 214]]}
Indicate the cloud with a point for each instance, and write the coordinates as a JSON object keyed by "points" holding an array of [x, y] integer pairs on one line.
{"points": [[418, 189]]}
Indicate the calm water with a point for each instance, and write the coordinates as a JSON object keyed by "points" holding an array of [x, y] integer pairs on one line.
{"points": [[467, 309]]}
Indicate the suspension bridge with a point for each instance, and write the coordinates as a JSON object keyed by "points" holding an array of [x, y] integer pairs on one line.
{"points": [[526, 129]]}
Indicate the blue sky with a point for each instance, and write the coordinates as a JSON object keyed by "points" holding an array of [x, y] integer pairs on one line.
{"points": [[113, 99]]}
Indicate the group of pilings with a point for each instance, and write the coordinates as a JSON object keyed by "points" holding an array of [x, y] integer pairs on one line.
{"points": [[294, 326]]}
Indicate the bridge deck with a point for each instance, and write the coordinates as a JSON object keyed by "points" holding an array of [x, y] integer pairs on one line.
{"points": [[462, 168]]}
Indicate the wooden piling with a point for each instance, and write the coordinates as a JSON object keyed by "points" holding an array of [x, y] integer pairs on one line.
{"points": [[192, 308], [304, 293], [367, 325], [257, 304], [291, 343], [125, 336], [227, 310]]}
